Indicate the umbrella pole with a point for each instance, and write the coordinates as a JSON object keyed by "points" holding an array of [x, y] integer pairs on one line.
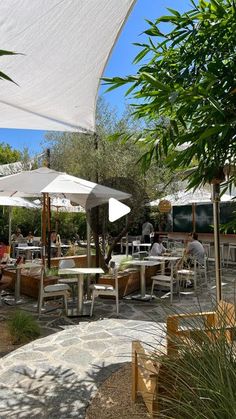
{"points": [[88, 240], [216, 219], [88, 251], [44, 227], [49, 230], [9, 225]]}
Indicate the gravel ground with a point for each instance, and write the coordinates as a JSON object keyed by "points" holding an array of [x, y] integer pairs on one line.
{"points": [[113, 399]]}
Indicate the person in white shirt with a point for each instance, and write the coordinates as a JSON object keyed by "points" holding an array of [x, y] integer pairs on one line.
{"points": [[147, 229], [195, 248], [157, 247]]}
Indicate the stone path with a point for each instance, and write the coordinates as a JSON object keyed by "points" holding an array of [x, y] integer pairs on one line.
{"points": [[56, 376]]}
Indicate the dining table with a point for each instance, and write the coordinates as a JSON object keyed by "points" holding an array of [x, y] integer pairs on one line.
{"points": [[80, 310], [163, 259], [17, 299], [142, 264], [28, 250]]}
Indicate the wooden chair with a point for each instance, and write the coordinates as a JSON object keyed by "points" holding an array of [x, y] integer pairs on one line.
{"points": [[146, 376], [222, 320], [54, 290], [164, 281], [72, 281], [149, 374]]}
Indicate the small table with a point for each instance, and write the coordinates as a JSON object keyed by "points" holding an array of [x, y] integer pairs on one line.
{"points": [[18, 268], [163, 259], [28, 249], [143, 263], [79, 272]]}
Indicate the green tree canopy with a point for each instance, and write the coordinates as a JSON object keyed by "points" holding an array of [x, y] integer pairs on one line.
{"points": [[8, 155], [186, 90]]}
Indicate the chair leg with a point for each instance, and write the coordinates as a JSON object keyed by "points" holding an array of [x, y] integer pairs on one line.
{"points": [[153, 284], [92, 304], [195, 280], [117, 304], [65, 303], [40, 303], [171, 291]]}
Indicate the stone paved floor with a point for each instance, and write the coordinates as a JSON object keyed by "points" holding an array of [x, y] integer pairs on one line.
{"points": [[56, 376]]}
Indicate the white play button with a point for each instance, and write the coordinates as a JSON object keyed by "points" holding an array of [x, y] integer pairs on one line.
{"points": [[117, 209]]}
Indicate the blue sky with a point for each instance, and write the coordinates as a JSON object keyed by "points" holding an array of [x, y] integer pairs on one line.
{"points": [[120, 64]]}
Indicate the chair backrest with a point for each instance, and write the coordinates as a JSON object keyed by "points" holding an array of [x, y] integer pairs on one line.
{"points": [[66, 263], [37, 269], [115, 274], [226, 313]]}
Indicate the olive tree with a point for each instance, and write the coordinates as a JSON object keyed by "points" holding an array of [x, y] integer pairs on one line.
{"points": [[186, 90]]}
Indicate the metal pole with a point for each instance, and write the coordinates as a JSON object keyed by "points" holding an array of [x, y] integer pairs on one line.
{"points": [[88, 240], [216, 219], [9, 225], [88, 252], [44, 227]]}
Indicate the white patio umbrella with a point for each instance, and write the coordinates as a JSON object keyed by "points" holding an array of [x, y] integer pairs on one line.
{"points": [[15, 202], [65, 205], [33, 183], [61, 205], [47, 181]]}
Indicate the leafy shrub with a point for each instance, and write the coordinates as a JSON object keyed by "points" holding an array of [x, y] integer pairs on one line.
{"points": [[23, 327], [52, 271], [124, 263]]}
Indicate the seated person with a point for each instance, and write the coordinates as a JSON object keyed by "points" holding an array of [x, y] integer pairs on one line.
{"points": [[157, 247], [17, 236], [30, 238], [56, 243], [195, 248]]}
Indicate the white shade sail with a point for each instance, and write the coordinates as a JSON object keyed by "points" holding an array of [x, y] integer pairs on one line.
{"points": [[199, 196], [65, 46], [44, 180]]}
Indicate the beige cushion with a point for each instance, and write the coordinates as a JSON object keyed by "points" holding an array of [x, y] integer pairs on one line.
{"points": [[101, 287]]}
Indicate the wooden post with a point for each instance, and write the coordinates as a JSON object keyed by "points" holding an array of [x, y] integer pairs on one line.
{"points": [[134, 370], [44, 228], [216, 218]]}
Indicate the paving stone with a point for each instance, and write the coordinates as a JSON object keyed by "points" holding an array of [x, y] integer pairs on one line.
{"points": [[63, 369]]}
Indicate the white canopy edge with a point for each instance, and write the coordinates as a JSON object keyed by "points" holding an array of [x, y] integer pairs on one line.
{"points": [[43, 180], [65, 46], [188, 197], [15, 201]]}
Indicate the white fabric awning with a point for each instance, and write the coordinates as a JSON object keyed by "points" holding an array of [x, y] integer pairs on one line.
{"points": [[187, 197], [65, 45], [43, 180]]}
